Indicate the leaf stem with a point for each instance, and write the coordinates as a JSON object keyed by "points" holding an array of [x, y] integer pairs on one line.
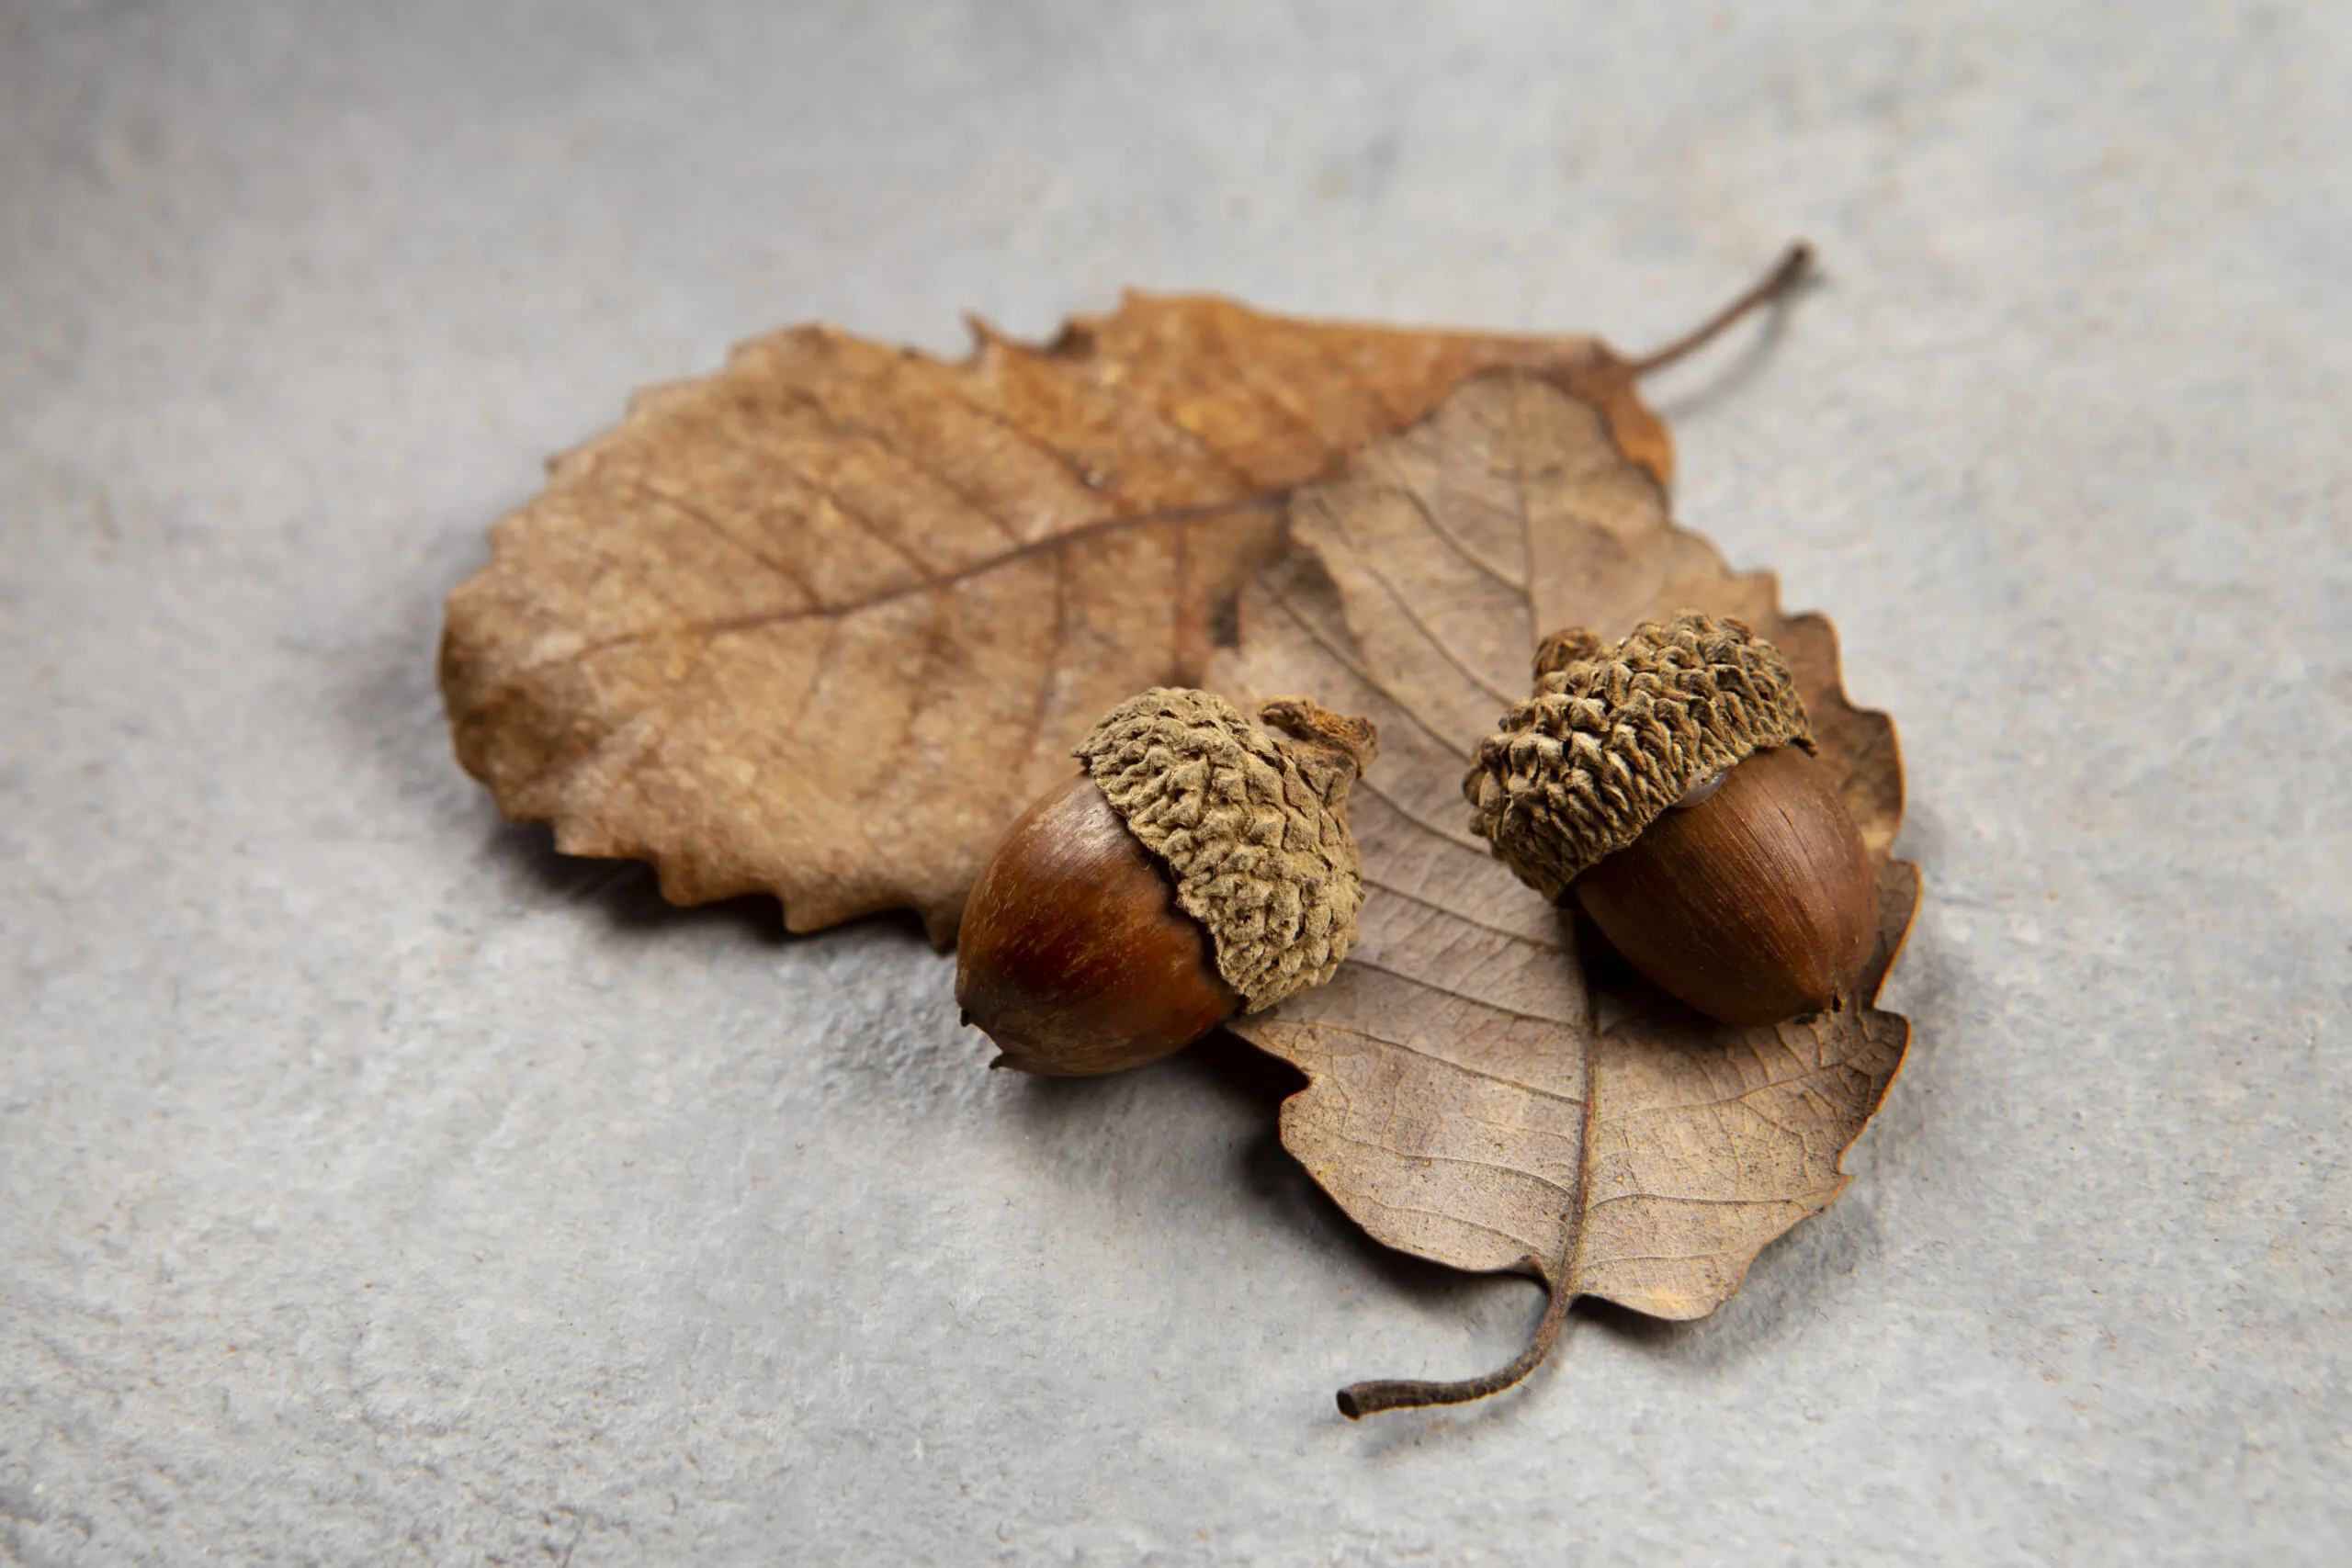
{"points": [[1786, 274], [1361, 1399]]}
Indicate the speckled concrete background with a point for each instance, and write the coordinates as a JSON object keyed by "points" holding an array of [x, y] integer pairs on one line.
{"points": [[375, 1187]]}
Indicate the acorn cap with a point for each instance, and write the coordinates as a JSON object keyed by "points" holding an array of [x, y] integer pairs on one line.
{"points": [[1615, 736], [1254, 829]]}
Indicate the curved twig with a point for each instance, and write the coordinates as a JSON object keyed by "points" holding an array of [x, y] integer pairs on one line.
{"points": [[1786, 274]]}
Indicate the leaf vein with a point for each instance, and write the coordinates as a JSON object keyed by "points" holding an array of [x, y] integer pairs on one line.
{"points": [[1461, 1067], [1349, 662], [1459, 840], [1825, 1070], [1455, 914], [1461, 997], [1460, 545], [1540, 1181], [1445, 649], [759, 619]]}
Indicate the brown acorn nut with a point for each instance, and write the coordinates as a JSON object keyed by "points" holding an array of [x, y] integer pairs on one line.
{"points": [[1669, 783], [1196, 866]]}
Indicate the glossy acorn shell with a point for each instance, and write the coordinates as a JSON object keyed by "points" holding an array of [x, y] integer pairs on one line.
{"points": [[1753, 903], [1073, 956]]}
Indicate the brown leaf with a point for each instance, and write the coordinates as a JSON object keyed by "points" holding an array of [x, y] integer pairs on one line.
{"points": [[1474, 1099], [823, 623]]}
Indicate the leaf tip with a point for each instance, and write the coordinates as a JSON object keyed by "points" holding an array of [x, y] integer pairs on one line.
{"points": [[985, 334]]}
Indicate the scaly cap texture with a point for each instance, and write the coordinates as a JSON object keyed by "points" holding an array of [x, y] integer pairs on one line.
{"points": [[1254, 829], [1614, 736]]}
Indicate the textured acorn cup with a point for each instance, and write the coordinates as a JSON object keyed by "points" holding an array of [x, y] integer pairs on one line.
{"points": [[1195, 867], [1669, 783]]}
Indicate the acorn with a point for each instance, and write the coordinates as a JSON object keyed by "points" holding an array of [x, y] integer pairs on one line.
{"points": [[1669, 783], [1193, 867]]}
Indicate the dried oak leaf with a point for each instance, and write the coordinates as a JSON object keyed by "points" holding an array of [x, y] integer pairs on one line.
{"points": [[1474, 1098], [823, 623]]}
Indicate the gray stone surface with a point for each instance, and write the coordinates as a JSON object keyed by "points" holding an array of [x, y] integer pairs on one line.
{"points": [[375, 1187]]}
